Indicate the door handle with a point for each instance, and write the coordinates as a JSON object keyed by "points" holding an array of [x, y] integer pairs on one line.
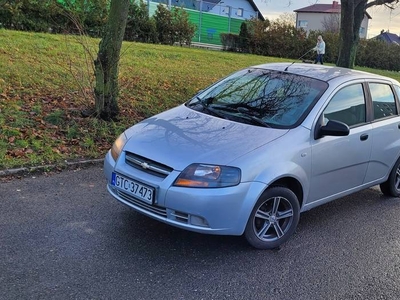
{"points": [[364, 137], [398, 126]]}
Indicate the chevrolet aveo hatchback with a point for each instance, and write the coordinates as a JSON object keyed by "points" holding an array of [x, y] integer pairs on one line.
{"points": [[251, 152]]}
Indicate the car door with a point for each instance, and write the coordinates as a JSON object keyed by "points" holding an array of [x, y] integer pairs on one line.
{"points": [[385, 130], [339, 163]]}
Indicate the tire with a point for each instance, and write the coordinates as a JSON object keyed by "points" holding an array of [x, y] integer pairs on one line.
{"points": [[391, 187], [273, 219]]}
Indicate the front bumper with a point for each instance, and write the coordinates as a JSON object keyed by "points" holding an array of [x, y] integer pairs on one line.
{"points": [[222, 211]]}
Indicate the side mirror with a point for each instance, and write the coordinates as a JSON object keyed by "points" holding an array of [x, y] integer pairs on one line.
{"points": [[333, 128]]}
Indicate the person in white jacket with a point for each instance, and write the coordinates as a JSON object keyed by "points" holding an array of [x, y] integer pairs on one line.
{"points": [[320, 48]]}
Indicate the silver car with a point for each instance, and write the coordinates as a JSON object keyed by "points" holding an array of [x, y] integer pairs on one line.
{"points": [[251, 152]]}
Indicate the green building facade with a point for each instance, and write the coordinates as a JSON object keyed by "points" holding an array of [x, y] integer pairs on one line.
{"points": [[209, 26]]}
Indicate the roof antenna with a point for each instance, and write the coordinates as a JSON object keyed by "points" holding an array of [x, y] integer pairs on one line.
{"points": [[298, 59]]}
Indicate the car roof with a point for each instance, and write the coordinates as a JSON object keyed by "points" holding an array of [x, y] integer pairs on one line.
{"points": [[320, 72]]}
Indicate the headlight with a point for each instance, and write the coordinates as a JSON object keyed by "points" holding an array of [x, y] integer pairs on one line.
{"points": [[211, 176], [117, 146]]}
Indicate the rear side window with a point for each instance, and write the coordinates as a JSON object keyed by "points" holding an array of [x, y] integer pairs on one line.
{"points": [[347, 106], [383, 100]]}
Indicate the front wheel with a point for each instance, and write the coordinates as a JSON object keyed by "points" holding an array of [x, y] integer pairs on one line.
{"points": [[391, 187], [274, 218]]}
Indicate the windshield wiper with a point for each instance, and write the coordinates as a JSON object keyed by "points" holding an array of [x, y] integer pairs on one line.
{"points": [[245, 112], [249, 115], [205, 103], [255, 120]]}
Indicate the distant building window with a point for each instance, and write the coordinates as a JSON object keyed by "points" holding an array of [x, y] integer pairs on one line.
{"points": [[303, 23], [362, 30], [239, 12]]}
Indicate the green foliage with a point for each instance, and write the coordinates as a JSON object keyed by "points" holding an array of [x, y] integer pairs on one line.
{"points": [[164, 27], [257, 30], [283, 40], [29, 15], [173, 26], [244, 38], [230, 41], [55, 117], [378, 54], [55, 16], [72, 131], [139, 26], [279, 38], [182, 28]]}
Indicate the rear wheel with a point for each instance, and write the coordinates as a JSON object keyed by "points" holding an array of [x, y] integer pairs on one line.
{"points": [[274, 218], [391, 187]]}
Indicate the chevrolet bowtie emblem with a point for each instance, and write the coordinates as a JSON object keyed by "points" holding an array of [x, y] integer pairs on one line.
{"points": [[144, 165]]}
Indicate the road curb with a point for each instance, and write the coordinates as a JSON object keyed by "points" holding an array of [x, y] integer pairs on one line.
{"points": [[51, 167]]}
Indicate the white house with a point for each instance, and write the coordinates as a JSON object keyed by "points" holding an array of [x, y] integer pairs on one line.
{"points": [[321, 16]]}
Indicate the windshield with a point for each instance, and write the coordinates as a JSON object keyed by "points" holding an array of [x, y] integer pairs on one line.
{"points": [[261, 97]]}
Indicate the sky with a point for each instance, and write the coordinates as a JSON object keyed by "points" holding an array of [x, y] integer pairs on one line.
{"points": [[382, 17]]}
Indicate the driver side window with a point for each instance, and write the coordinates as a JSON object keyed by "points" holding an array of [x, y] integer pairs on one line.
{"points": [[347, 106]]}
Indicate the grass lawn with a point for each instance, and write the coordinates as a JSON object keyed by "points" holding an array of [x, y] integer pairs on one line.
{"points": [[46, 81]]}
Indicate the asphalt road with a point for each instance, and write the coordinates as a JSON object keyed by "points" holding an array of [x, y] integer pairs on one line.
{"points": [[64, 237]]}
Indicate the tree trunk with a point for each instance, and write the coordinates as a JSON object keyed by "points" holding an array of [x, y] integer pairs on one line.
{"points": [[352, 15], [106, 65]]}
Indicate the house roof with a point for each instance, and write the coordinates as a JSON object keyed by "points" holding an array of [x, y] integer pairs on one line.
{"points": [[321, 8], [334, 8], [254, 6], [389, 38]]}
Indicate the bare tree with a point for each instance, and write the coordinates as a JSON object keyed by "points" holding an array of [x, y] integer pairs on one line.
{"points": [[352, 14], [287, 19], [331, 23], [106, 65]]}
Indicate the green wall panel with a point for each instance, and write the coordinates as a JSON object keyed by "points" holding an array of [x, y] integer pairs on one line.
{"points": [[208, 26]]}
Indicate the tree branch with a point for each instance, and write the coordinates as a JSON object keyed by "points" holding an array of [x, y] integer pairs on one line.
{"points": [[382, 2]]}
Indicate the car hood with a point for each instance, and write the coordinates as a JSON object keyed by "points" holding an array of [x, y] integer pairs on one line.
{"points": [[181, 136]]}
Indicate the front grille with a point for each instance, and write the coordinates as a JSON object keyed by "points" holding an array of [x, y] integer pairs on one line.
{"points": [[147, 165], [160, 211]]}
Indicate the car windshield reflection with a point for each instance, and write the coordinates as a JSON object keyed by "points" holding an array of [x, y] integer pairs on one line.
{"points": [[263, 97]]}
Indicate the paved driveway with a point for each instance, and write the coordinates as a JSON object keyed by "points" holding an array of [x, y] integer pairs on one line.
{"points": [[63, 237]]}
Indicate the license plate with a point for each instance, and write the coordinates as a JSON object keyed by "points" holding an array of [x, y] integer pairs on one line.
{"points": [[134, 188]]}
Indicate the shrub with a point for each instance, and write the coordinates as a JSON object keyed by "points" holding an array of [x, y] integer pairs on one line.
{"points": [[52, 16], [163, 20], [183, 29], [230, 41], [139, 26], [284, 40], [377, 54], [244, 38]]}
